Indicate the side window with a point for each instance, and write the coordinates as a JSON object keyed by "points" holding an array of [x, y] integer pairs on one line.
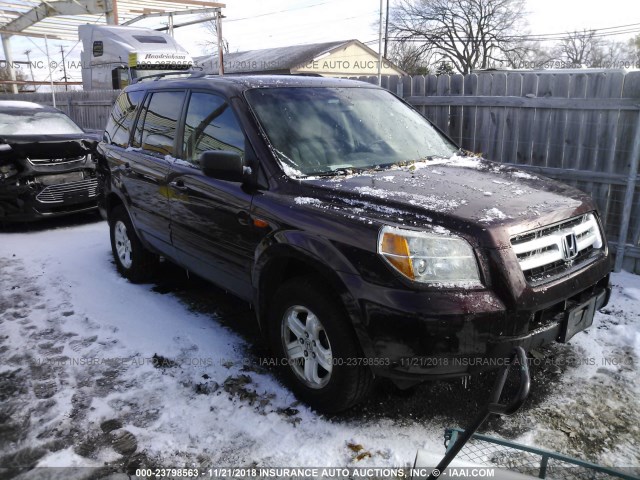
{"points": [[121, 118], [210, 125], [158, 122], [98, 48], [119, 78]]}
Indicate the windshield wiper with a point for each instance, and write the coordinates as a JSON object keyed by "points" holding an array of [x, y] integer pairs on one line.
{"points": [[342, 171]]}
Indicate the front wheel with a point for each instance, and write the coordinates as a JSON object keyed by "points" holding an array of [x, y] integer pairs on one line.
{"points": [[316, 346], [133, 261]]}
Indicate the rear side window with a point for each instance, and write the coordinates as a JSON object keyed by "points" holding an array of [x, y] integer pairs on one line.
{"points": [[121, 119], [210, 125], [158, 121]]}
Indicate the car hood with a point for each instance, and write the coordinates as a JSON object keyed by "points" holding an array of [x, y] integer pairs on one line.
{"points": [[47, 146], [487, 200]]}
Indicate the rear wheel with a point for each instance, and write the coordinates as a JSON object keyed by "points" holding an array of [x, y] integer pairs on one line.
{"points": [[317, 348], [133, 261]]}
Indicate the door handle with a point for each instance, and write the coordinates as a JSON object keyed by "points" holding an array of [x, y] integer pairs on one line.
{"points": [[178, 185]]}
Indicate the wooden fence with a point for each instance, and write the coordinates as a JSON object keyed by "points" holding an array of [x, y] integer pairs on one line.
{"points": [[581, 127]]}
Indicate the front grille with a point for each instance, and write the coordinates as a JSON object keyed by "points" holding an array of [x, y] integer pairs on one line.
{"points": [[64, 191], [55, 161], [543, 253]]}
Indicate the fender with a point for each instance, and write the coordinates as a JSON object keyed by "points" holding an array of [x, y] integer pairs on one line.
{"points": [[108, 195], [284, 252]]}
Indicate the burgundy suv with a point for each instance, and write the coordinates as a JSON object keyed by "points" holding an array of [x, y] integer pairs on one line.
{"points": [[367, 242]]}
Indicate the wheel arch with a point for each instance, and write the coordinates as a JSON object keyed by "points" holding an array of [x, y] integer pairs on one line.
{"points": [[112, 201], [282, 262]]}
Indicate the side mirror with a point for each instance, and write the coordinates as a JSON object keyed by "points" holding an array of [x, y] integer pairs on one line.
{"points": [[223, 165], [120, 78]]}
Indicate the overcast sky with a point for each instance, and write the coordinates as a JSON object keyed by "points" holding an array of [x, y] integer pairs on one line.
{"points": [[310, 21], [254, 24]]}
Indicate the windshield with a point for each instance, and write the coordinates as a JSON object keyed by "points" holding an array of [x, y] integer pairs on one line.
{"points": [[320, 130], [37, 123]]}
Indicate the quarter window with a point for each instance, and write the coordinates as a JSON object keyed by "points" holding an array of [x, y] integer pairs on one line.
{"points": [[210, 125], [158, 121]]}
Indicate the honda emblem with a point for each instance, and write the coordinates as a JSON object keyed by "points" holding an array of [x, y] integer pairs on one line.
{"points": [[569, 247]]}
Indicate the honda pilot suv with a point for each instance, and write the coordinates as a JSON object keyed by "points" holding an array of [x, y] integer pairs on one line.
{"points": [[367, 242]]}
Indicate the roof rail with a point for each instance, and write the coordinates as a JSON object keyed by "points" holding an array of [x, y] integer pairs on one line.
{"points": [[158, 76]]}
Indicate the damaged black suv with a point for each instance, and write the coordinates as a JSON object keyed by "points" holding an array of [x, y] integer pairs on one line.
{"points": [[46, 167], [367, 242]]}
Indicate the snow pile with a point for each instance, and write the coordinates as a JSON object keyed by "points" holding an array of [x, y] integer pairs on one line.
{"points": [[308, 201], [524, 175], [493, 214], [453, 161]]}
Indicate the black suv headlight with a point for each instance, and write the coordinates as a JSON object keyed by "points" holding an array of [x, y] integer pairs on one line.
{"points": [[7, 171], [430, 258]]}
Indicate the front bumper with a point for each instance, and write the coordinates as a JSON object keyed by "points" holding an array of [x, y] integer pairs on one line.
{"points": [[415, 335], [35, 201]]}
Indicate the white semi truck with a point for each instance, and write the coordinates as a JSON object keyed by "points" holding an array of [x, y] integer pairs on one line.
{"points": [[112, 56]]}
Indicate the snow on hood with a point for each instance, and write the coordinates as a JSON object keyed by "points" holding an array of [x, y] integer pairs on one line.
{"points": [[469, 189]]}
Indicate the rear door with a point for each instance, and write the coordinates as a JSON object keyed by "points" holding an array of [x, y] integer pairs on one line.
{"points": [[210, 222], [146, 165]]}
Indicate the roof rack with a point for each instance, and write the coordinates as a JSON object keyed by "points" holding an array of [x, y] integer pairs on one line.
{"points": [[157, 76]]}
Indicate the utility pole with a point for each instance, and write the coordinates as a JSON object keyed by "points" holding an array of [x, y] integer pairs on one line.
{"points": [[64, 68], [27, 53], [386, 31], [53, 92], [380, 46], [220, 45]]}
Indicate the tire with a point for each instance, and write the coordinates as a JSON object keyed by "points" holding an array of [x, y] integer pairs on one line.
{"points": [[323, 374], [133, 261]]}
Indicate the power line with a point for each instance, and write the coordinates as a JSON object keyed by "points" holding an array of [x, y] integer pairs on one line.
{"points": [[522, 37], [597, 33], [279, 11]]}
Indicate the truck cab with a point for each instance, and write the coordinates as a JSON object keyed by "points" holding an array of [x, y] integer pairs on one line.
{"points": [[113, 56]]}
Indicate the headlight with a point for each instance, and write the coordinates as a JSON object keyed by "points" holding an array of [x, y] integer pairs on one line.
{"points": [[429, 258], [7, 171]]}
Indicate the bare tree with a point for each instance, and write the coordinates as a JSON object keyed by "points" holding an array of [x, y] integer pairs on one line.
{"points": [[634, 49], [5, 75], [612, 54], [409, 57], [586, 49], [580, 48], [530, 55], [210, 42], [469, 34]]}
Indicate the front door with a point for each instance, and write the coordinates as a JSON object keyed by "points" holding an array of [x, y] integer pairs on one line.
{"points": [[210, 221]]}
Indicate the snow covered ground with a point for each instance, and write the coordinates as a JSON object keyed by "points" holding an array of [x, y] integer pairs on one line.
{"points": [[95, 371]]}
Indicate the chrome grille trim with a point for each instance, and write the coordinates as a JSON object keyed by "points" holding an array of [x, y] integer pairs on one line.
{"points": [[543, 248], [57, 193], [55, 161]]}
